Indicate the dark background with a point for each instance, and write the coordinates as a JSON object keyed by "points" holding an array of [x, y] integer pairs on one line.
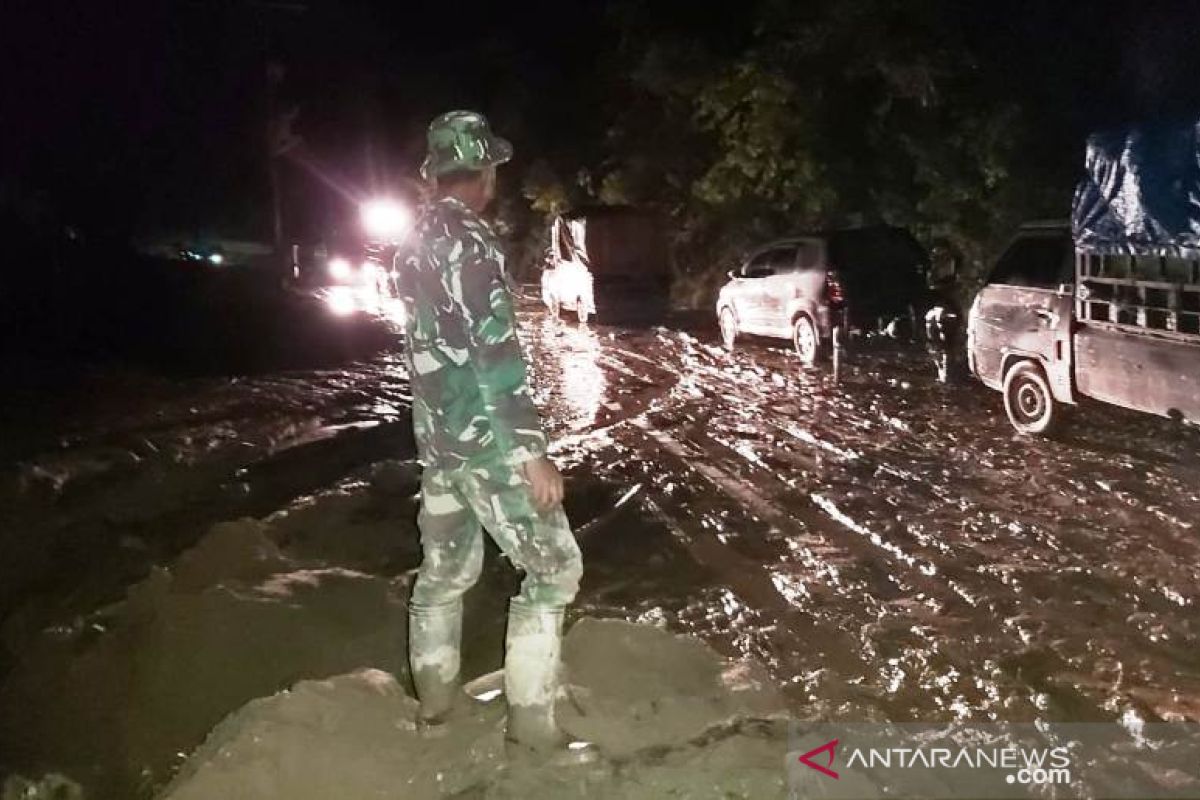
{"points": [[955, 118]]}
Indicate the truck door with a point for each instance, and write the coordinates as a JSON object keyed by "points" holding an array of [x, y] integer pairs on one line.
{"points": [[1025, 310]]}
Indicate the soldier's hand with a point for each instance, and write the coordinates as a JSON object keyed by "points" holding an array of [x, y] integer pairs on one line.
{"points": [[545, 482]]}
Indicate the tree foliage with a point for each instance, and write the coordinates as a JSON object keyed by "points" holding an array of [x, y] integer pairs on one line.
{"points": [[802, 116]]}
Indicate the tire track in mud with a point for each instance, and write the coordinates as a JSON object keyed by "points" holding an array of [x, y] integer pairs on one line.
{"points": [[902, 516], [817, 512], [748, 578], [923, 561], [915, 572]]}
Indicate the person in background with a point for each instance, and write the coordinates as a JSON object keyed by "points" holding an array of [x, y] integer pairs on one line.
{"points": [[944, 327]]}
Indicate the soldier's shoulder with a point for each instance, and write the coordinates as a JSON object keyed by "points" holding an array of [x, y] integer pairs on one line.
{"points": [[454, 220]]}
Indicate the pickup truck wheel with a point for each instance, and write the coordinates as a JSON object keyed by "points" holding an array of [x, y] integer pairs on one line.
{"points": [[1029, 402], [806, 340], [729, 329]]}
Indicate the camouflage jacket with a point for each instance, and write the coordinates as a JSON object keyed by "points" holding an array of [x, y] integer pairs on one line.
{"points": [[471, 398]]}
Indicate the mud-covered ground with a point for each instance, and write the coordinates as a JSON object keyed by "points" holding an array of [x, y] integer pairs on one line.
{"points": [[886, 546]]}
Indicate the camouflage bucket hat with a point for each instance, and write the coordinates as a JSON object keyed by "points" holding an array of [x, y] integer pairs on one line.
{"points": [[462, 140]]}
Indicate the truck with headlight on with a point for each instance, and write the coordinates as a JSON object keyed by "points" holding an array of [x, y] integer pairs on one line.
{"points": [[609, 262], [1106, 307], [359, 271]]}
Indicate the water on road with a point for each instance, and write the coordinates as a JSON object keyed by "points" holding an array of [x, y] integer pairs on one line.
{"points": [[885, 545]]}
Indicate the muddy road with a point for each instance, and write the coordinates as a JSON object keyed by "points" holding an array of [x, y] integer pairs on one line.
{"points": [[886, 546]]}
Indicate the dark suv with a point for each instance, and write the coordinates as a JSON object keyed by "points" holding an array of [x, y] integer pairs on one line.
{"points": [[801, 288]]}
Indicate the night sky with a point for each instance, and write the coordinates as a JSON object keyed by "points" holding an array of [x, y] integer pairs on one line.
{"points": [[146, 115]]}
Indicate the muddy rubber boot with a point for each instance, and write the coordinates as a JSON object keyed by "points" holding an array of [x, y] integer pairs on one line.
{"points": [[434, 641], [533, 644], [531, 666]]}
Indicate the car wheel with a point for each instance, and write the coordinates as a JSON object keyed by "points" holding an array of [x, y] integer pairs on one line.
{"points": [[806, 340], [1028, 400], [729, 328], [582, 311]]}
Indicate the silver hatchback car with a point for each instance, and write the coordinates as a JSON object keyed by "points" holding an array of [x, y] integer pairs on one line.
{"points": [[803, 288]]}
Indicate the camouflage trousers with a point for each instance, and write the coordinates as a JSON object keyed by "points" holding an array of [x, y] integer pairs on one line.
{"points": [[457, 504]]}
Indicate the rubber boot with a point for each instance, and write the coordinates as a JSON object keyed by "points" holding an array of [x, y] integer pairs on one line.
{"points": [[434, 642], [533, 645]]}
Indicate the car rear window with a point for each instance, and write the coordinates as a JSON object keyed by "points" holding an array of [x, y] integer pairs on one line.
{"points": [[809, 256], [872, 250], [783, 259], [1035, 261], [882, 270]]}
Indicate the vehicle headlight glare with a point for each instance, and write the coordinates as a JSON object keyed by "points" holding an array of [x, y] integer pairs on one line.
{"points": [[385, 219]]}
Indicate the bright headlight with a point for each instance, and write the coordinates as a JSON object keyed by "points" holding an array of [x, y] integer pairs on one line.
{"points": [[339, 269], [385, 219], [341, 301]]}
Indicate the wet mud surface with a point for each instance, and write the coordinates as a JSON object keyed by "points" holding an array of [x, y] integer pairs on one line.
{"points": [[892, 550], [887, 547]]}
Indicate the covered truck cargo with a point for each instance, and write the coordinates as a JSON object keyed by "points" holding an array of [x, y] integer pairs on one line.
{"points": [[1136, 225], [625, 250], [1141, 191]]}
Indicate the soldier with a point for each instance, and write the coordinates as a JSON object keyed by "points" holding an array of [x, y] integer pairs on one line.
{"points": [[481, 444]]}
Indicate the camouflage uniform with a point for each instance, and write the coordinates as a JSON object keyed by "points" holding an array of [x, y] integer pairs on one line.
{"points": [[475, 423], [474, 418]]}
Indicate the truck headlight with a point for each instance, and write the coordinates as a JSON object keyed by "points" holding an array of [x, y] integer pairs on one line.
{"points": [[341, 301], [339, 269], [385, 219]]}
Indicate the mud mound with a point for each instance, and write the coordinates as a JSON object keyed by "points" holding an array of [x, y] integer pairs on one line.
{"points": [[636, 688], [113, 700], [366, 528], [670, 717], [231, 550], [350, 736]]}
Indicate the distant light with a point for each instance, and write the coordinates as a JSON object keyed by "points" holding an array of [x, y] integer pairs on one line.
{"points": [[339, 269], [341, 301], [217, 258], [385, 219]]}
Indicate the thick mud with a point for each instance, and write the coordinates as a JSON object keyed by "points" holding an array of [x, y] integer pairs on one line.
{"points": [[885, 546]]}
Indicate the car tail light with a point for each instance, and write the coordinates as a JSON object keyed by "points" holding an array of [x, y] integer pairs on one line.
{"points": [[833, 290]]}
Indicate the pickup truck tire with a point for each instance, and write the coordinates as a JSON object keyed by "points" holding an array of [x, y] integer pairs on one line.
{"points": [[807, 340], [1028, 400], [729, 328]]}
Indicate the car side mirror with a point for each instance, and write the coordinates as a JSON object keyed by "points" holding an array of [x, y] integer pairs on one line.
{"points": [[733, 274]]}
